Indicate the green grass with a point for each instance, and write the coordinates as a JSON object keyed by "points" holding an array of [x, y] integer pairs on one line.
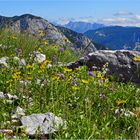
{"points": [[87, 103]]}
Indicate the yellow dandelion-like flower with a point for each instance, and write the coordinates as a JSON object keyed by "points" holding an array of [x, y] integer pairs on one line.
{"points": [[14, 37], [75, 88], [16, 77], [46, 42], [28, 78], [47, 62], [55, 78], [67, 70], [40, 30], [137, 59], [28, 66], [84, 81], [41, 34], [120, 102]]}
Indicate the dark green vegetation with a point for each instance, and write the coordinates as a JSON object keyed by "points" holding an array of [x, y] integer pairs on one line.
{"points": [[116, 37], [88, 102]]}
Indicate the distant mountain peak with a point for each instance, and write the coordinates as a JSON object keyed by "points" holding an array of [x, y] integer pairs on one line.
{"points": [[81, 27]]}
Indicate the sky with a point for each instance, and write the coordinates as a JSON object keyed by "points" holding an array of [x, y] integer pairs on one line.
{"points": [[109, 12]]}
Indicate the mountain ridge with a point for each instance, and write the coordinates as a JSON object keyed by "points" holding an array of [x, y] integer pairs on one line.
{"points": [[81, 27], [116, 37]]}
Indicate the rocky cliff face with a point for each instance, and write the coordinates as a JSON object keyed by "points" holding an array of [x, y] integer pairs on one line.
{"points": [[79, 40], [121, 64], [32, 24]]}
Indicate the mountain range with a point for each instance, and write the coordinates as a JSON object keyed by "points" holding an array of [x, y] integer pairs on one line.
{"points": [[81, 27], [116, 37]]}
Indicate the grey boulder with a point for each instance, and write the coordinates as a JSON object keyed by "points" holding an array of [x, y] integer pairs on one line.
{"points": [[41, 124], [121, 63]]}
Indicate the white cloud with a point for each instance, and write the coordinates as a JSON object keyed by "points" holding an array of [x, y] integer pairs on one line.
{"points": [[137, 17], [121, 19], [123, 13]]}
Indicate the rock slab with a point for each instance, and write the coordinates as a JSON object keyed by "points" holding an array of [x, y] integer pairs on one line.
{"points": [[41, 124]]}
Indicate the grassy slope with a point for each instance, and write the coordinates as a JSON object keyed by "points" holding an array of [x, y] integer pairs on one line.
{"points": [[87, 103]]}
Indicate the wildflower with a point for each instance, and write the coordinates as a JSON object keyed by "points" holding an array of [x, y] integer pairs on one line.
{"points": [[67, 70], [9, 83], [91, 73], [47, 62], [120, 102], [137, 59], [14, 37], [61, 75], [75, 88], [55, 77], [75, 81], [54, 59], [28, 66], [46, 42], [41, 34], [16, 75], [61, 50], [84, 81], [19, 51]]}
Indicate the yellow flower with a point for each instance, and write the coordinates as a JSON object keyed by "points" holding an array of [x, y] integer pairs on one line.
{"points": [[55, 78], [84, 81], [40, 50], [28, 66], [120, 102], [67, 70], [75, 88], [137, 59], [47, 62], [16, 75], [42, 34], [28, 78], [46, 42], [14, 37], [40, 30], [99, 75], [9, 83]]}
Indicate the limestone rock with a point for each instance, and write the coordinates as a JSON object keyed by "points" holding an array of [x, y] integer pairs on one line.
{"points": [[41, 124], [121, 63]]}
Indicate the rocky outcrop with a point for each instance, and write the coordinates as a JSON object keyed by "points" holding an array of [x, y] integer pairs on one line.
{"points": [[38, 125], [121, 64], [79, 40], [32, 24]]}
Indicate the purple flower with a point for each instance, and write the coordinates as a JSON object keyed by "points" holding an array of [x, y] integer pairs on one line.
{"points": [[62, 49], [91, 73], [54, 59], [75, 81], [61, 75]]}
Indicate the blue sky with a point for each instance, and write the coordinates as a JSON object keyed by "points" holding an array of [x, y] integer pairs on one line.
{"points": [[123, 12]]}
